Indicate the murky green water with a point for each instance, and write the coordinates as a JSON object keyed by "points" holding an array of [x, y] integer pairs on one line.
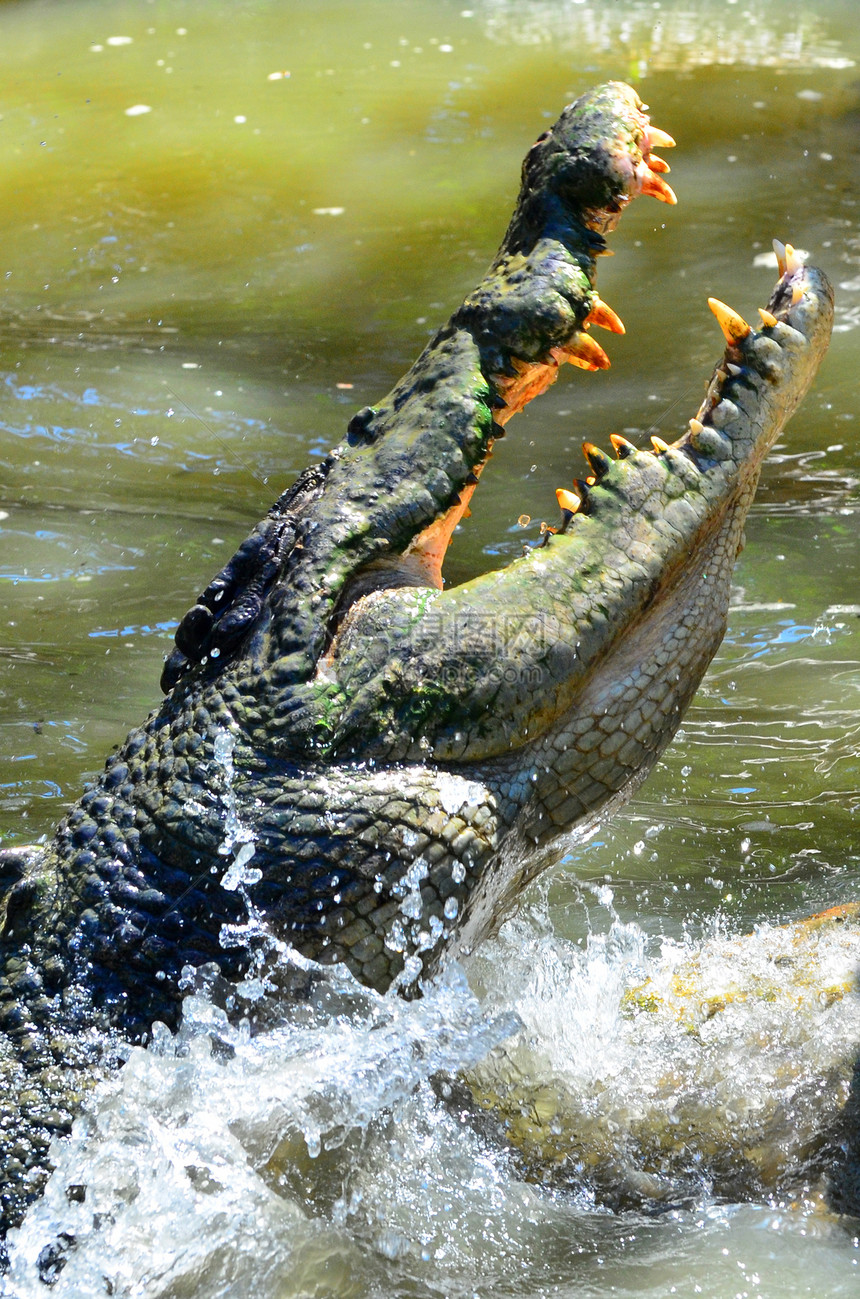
{"points": [[224, 227]]}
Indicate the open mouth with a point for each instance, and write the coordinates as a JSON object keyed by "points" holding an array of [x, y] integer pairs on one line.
{"points": [[379, 513]]}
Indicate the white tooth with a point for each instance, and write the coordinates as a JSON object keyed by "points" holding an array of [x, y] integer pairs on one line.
{"points": [[734, 370], [779, 249]]}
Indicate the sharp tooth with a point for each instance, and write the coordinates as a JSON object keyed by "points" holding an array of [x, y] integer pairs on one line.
{"points": [[657, 164], [734, 370], [793, 259], [623, 448], [658, 188], [796, 294], [567, 500], [596, 459], [584, 352], [661, 138], [604, 316], [780, 250], [734, 327], [696, 427], [659, 445], [767, 318]]}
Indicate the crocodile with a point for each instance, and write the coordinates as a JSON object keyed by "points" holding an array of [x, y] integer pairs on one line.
{"points": [[356, 762]]}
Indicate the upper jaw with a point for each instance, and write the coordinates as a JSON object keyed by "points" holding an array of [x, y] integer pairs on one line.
{"points": [[587, 167], [622, 165]]}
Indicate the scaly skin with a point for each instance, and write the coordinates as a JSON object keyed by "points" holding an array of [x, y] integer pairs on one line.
{"points": [[351, 758]]}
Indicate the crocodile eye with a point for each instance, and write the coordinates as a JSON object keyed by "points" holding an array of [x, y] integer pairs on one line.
{"points": [[193, 630]]}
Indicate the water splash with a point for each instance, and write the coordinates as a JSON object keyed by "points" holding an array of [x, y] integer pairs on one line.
{"points": [[663, 1074], [205, 1166], [321, 1145], [238, 837]]}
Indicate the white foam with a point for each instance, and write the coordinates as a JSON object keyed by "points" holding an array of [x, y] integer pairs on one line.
{"points": [[198, 1158]]}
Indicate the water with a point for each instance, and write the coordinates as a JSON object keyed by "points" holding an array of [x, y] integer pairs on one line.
{"points": [[663, 1073], [319, 1151], [200, 1160], [195, 300]]}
